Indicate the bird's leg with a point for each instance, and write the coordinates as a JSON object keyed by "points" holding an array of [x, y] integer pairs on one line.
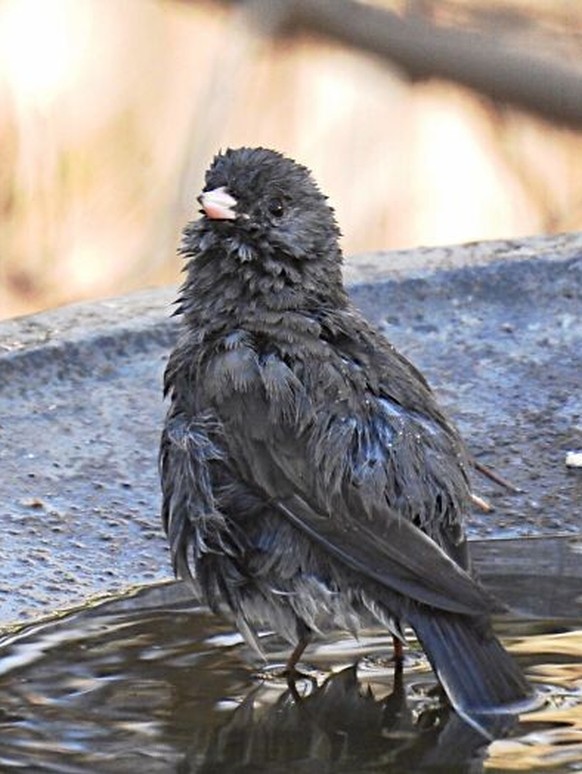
{"points": [[398, 647], [293, 660], [291, 672]]}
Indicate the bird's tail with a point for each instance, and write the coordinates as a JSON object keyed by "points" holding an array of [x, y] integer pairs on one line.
{"points": [[481, 680]]}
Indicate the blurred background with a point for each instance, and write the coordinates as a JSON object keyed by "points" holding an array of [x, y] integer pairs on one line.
{"points": [[428, 122]]}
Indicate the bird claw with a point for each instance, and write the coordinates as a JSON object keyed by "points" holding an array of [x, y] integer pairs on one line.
{"points": [[292, 678], [293, 675]]}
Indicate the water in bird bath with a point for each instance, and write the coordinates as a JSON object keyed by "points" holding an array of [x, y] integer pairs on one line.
{"points": [[153, 682]]}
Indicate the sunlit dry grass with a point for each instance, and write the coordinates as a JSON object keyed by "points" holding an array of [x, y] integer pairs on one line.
{"points": [[111, 112]]}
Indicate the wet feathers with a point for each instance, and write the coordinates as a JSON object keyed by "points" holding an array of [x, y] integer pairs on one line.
{"points": [[310, 480]]}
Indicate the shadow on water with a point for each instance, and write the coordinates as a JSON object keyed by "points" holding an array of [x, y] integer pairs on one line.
{"points": [[151, 682]]}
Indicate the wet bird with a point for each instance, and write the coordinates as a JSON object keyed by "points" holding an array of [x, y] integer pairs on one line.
{"points": [[310, 480]]}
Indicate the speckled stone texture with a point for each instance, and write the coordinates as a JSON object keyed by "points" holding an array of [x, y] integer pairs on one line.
{"points": [[496, 327]]}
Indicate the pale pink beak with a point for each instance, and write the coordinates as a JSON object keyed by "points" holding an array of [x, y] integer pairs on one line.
{"points": [[218, 204]]}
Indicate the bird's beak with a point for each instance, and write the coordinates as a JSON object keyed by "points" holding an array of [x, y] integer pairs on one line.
{"points": [[218, 204]]}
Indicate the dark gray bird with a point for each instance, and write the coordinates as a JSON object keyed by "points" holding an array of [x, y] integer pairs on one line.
{"points": [[310, 480]]}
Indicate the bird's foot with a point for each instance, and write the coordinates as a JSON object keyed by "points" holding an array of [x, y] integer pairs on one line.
{"points": [[299, 683], [289, 675], [294, 679], [293, 675]]}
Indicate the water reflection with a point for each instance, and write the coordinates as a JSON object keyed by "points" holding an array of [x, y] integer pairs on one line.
{"points": [[151, 682], [340, 727]]}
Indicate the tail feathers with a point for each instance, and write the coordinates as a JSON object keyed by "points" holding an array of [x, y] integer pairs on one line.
{"points": [[479, 677]]}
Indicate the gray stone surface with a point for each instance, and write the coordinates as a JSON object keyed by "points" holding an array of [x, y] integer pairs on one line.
{"points": [[498, 332]]}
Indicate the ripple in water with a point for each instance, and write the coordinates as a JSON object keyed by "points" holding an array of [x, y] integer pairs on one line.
{"points": [[150, 682]]}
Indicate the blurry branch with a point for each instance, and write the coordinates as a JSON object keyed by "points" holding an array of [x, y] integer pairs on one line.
{"points": [[494, 67]]}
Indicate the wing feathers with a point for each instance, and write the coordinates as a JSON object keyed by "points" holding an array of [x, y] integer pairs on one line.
{"points": [[402, 558]]}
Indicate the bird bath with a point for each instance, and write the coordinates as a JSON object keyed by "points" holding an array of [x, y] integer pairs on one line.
{"points": [[106, 666], [150, 681]]}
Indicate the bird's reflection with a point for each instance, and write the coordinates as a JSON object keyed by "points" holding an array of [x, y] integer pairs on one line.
{"points": [[341, 727]]}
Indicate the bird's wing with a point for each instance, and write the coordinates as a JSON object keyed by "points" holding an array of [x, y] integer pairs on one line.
{"points": [[328, 469], [380, 544]]}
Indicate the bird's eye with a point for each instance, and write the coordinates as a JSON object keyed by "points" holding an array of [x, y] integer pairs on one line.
{"points": [[276, 208]]}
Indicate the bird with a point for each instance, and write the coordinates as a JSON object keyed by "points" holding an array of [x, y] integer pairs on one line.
{"points": [[310, 480]]}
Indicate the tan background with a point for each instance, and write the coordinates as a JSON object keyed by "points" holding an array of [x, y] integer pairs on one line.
{"points": [[111, 111]]}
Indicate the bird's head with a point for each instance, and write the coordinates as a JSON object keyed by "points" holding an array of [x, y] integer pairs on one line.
{"points": [[259, 205]]}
